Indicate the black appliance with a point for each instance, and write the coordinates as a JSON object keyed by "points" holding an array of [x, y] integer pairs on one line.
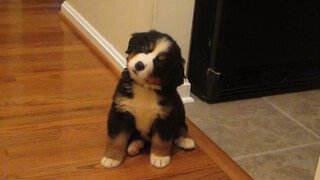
{"points": [[251, 48]]}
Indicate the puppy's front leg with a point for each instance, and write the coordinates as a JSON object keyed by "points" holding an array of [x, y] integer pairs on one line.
{"points": [[160, 151], [116, 150]]}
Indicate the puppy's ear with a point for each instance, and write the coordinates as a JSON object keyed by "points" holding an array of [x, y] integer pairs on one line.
{"points": [[140, 42], [174, 78], [131, 45]]}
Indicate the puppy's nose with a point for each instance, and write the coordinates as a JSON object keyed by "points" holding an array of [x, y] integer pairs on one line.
{"points": [[139, 66]]}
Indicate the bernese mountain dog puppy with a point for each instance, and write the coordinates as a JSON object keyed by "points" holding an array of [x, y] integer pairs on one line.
{"points": [[146, 106]]}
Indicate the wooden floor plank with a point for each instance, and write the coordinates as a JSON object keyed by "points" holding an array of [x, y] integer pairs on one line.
{"points": [[55, 94]]}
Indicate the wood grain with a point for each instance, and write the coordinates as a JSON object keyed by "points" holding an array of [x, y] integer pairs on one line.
{"points": [[95, 49], [54, 98]]}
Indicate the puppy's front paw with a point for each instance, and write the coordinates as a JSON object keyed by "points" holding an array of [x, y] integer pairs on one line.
{"points": [[110, 163], [185, 143], [159, 161]]}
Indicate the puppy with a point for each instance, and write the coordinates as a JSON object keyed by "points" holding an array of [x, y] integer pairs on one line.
{"points": [[146, 105]]}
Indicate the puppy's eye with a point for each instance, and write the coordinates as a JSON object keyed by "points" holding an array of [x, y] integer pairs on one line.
{"points": [[145, 49], [148, 48]]}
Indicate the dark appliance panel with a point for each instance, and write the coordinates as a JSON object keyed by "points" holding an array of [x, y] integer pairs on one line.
{"points": [[249, 48]]}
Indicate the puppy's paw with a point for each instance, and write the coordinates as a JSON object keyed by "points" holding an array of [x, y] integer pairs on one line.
{"points": [[185, 143], [134, 147], [110, 163], [159, 161]]}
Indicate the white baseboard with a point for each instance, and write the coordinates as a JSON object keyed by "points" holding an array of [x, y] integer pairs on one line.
{"points": [[184, 91], [106, 48], [93, 35]]}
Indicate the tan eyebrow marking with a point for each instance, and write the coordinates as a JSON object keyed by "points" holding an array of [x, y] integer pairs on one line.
{"points": [[131, 55], [162, 57], [151, 46]]}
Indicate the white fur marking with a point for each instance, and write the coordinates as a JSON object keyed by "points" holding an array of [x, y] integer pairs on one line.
{"points": [[109, 163], [159, 161], [162, 45], [147, 60], [185, 143], [145, 108]]}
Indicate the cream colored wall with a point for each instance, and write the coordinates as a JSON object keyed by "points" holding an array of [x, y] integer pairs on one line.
{"points": [[109, 23], [175, 18], [115, 20]]}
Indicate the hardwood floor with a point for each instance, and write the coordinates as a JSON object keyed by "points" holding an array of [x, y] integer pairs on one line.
{"points": [[54, 98]]}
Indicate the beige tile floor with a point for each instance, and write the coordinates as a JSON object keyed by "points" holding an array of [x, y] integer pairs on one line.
{"points": [[273, 137]]}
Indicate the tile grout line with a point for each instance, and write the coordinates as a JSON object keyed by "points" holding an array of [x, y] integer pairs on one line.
{"points": [[275, 151], [290, 117]]}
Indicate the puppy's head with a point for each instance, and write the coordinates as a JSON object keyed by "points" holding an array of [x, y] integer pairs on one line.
{"points": [[154, 58]]}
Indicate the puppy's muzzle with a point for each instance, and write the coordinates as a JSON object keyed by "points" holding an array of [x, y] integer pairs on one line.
{"points": [[139, 66]]}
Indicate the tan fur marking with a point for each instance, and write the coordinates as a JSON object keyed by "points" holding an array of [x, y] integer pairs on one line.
{"points": [[116, 147], [131, 55], [151, 46], [160, 147], [142, 82], [153, 80], [162, 57], [144, 106]]}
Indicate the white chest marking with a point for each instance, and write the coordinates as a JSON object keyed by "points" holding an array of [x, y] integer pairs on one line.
{"points": [[144, 106]]}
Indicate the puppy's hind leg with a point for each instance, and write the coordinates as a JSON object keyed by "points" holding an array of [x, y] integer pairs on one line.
{"points": [[184, 140], [135, 147]]}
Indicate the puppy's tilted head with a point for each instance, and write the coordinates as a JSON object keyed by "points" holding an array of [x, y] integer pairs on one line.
{"points": [[154, 59]]}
